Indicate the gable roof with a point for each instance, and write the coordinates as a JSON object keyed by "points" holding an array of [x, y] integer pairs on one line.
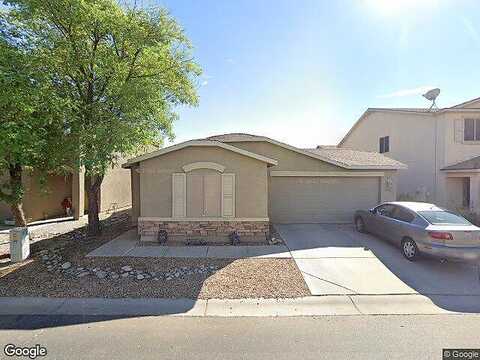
{"points": [[356, 158], [190, 143], [466, 103], [470, 164], [420, 111], [348, 159]]}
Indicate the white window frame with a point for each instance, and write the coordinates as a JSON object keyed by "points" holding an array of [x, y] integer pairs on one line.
{"points": [[476, 122]]}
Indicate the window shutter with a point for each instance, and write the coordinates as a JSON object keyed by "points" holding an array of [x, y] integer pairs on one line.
{"points": [[458, 130], [228, 195], [179, 195]]}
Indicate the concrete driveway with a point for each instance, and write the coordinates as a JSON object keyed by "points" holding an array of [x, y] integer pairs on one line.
{"points": [[337, 260]]}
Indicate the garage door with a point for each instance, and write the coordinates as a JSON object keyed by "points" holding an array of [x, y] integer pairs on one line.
{"points": [[320, 199]]}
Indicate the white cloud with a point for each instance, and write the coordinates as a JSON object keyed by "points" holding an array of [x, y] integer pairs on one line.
{"points": [[230, 61], [204, 83], [408, 92]]}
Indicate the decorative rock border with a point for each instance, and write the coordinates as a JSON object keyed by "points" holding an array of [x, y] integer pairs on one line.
{"points": [[55, 264]]}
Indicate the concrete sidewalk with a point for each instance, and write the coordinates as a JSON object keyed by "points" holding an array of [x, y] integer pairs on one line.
{"points": [[128, 245], [307, 306]]}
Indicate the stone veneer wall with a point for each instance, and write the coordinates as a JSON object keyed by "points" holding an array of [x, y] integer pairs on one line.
{"points": [[203, 228]]}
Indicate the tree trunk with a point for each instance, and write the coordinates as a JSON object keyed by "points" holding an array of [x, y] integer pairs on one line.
{"points": [[16, 206], [18, 214], [93, 193]]}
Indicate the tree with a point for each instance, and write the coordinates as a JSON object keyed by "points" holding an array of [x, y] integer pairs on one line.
{"points": [[122, 71], [31, 124]]}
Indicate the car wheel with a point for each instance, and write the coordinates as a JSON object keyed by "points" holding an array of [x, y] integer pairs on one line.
{"points": [[360, 225], [409, 249]]}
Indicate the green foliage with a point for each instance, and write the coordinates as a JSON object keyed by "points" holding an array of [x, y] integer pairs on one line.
{"points": [[31, 117], [121, 72]]}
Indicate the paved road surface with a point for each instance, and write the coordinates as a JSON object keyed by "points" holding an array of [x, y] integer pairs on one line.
{"points": [[340, 337]]}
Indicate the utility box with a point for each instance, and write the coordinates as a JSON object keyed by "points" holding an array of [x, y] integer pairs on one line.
{"points": [[19, 244]]}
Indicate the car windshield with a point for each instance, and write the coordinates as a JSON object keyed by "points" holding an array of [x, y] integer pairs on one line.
{"points": [[443, 218]]}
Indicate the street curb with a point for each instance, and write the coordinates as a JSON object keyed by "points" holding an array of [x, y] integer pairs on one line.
{"points": [[307, 306]]}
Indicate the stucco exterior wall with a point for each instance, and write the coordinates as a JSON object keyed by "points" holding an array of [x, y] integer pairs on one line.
{"points": [[44, 203], [412, 141], [455, 152], [388, 186], [250, 180], [455, 193], [136, 200], [5, 212], [287, 159], [116, 192]]}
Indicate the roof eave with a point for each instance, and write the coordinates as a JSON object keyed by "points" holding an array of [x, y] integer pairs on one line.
{"points": [[377, 167], [185, 144], [460, 170]]}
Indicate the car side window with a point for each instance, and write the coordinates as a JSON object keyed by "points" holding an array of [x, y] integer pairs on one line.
{"points": [[402, 214], [384, 210]]}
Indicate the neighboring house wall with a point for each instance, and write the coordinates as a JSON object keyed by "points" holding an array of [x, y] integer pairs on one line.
{"points": [[4, 211], [412, 141], [115, 192], [45, 203], [426, 143], [456, 149], [156, 180], [41, 201], [136, 198]]}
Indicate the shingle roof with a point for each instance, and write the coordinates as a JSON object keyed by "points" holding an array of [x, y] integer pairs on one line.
{"points": [[348, 158], [236, 137], [351, 157], [471, 164], [414, 110]]}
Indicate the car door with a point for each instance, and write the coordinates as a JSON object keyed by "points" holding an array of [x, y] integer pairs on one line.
{"points": [[379, 222], [400, 224]]}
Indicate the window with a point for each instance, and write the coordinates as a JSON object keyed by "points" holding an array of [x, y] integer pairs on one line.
{"points": [[384, 210], [402, 214], [471, 130], [384, 144], [466, 192], [443, 218]]}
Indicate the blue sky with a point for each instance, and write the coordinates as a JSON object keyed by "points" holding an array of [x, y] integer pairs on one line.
{"points": [[304, 71]]}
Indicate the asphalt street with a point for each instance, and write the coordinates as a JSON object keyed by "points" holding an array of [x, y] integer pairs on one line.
{"points": [[326, 337]]}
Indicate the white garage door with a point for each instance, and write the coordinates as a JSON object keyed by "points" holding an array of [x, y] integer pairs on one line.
{"points": [[321, 199]]}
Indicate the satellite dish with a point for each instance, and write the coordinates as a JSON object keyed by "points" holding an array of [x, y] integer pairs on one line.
{"points": [[432, 96]]}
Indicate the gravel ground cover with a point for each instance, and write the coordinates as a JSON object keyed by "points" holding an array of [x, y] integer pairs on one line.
{"points": [[59, 268], [55, 229]]}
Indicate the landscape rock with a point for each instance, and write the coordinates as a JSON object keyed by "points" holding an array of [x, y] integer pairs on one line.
{"points": [[101, 274]]}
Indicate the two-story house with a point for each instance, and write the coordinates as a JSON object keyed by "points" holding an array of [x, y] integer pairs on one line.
{"points": [[441, 148]]}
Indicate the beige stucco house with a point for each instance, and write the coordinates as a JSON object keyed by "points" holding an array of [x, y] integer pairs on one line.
{"points": [[240, 182], [441, 149], [45, 202]]}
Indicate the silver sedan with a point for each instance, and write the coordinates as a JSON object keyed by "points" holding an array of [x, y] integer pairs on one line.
{"points": [[422, 228]]}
